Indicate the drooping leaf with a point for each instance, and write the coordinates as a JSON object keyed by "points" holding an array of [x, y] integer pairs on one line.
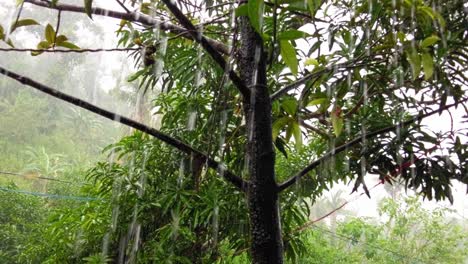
{"points": [[278, 125], [255, 11], [22, 23], [337, 122], [88, 6], [50, 33], [415, 62], [296, 130], [288, 53], [428, 65]]}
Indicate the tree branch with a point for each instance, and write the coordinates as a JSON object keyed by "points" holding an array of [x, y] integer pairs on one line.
{"points": [[357, 140], [133, 17], [198, 36], [181, 146], [346, 65]]}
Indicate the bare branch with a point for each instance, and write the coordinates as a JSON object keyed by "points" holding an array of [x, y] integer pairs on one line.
{"points": [[357, 140], [198, 36], [132, 17], [181, 146]]}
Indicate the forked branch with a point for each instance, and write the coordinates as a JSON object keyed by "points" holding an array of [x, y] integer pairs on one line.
{"points": [[181, 146]]}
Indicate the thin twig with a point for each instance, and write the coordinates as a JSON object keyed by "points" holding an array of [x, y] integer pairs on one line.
{"points": [[59, 17], [67, 50], [181, 146]]}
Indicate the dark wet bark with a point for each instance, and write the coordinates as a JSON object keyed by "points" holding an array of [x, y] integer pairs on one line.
{"points": [[265, 227]]}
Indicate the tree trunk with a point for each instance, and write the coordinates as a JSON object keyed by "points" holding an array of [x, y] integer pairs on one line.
{"points": [[265, 225]]}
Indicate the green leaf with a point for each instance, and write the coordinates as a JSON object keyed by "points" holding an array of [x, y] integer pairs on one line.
{"points": [[292, 35], [22, 23], [41, 45], [415, 61], [317, 101], [288, 53], [135, 76], [60, 39], [428, 65], [49, 33], [242, 10], [255, 11], [311, 61], [68, 45], [289, 105], [88, 6], [313, 5], [278, 125], [429, 41], [337, 123], [296, 130]]}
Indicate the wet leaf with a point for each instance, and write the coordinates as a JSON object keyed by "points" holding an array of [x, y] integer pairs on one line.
{"points": [[429, 41], [292, 35], [428, 65], [290, 106], [23, 23], [337, 123], [242, 10], [296, 130], [288, 53], [68, 45], [88, 6], [313, 5], [60, 39], [415, 62], [255, 11], [278, 125], [49, 33]]}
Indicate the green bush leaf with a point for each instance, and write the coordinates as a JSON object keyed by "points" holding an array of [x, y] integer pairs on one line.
{"points": [[288, 53], [428, 65]]}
